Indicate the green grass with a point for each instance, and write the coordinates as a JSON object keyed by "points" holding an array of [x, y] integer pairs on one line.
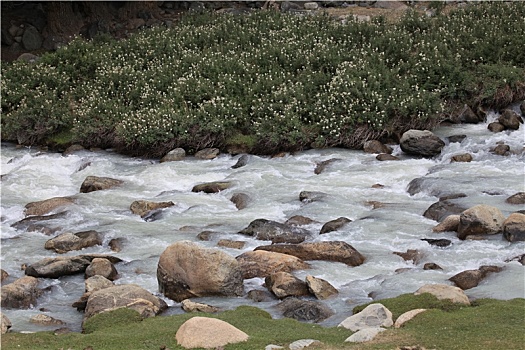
{"points": [[487, 324]]}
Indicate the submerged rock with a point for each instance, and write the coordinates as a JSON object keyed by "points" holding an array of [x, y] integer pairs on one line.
{"points": [[95, 183], [334, 225], [212, 187], [144, 208], [240, 200], [43, 207], [321, 166], [263, 263], [471, 278], [276, 232], [242, 161], [21, 294], [517, 198]]}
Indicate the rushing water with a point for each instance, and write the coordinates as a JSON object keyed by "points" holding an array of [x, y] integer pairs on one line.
{"points": [[274, 185]]}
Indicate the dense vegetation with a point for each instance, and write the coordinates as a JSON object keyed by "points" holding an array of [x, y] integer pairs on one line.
{"points": [[267, 81]]}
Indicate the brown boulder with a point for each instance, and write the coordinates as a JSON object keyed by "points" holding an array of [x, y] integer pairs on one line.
{"points": [[514, 227], [385, 156], [276, 232], [21, 294], [284, 284], [501, 150], [263, 263], [375, 146], [212, 187], [190, 306], [64, 265], [228, 243], [208, 333], [73, 241], [413, 255], [510, 119], [334, 225], [480, 219], [174, 155], [471, 278], [329, 251], [464, 158], [144, 208], [186, 270], [46, 206], [320, 288], [3, 275], [496, 127], [207, 153], [5, 324], [240, 200], [299, 220], [101, 267], [95, 183], [450, 223], [421, 142], [517, 198]]}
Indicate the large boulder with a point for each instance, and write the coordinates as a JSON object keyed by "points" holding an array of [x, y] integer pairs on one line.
{"points": [[510, 120], [144, 208], [186, 270], [284, 284], [421, 142], [445, 292], [101, 267], [320, 288], [480, 219], [276, 232], [73, 241], [514, 227], [21, 294], [46, 206], [95, 183], [262, 263], [329, 251], [64, 265], [174, 155], [305, 310], [517, 198], [374, 315], [129, 296], [471, 278], [450, 223], [208, 333]]}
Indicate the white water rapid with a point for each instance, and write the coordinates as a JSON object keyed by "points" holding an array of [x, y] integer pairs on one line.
{"points": [[274, 185]]}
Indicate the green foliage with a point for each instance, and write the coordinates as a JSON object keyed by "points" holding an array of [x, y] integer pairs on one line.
{"points": [[115, 318], [288, 82]]}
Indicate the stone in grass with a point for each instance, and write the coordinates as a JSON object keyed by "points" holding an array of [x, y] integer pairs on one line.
{"points": [[407, 316], [445, 292], [374, 315], [304, 343], [364, 335], [205, 332]]}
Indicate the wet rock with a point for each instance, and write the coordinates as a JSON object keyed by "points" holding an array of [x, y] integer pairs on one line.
{"points": [[385, 156], [496, 127], [174, 155], [432, 266], [64, 266], [228, 243], [305, 310], [468, 116], [3, 275], [462, 158], [186, 270], [514, 227], [240, 200], [130, 296], [299, 220], [456, 138], [501, 150], [284, 284], [33, 223], [434, 186], [262, 263], [5, 324], [260, 296], [95, 183], [73, 149], [471, 278], [334, 225], [445, 292], [46, 206], [276, 232], [519, 258], [517, 198], [45, 320], [206, 235], [442, 209], [97, 282], [407, 316], [73, 241], [450, 223], [21, 294], [480, 219], [116, 244], [374, 315], [101, 267], [375, 146], [212, 187], [209, 333], [421, 142], [364, 335], [320, 288], [329, 251], [144, 208], [413, 255], [510, 120], [321, 166], [522, 108], [311, 196], [242, 161], [438, 242], [190, 306], [207, 153]]}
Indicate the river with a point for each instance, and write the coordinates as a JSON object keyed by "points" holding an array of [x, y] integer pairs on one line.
{"points": [[273, 185]]}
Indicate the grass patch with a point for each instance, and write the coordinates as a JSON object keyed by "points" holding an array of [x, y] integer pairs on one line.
{"points": [[487, 324]]}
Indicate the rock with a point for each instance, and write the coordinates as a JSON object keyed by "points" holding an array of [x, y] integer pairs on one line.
{"points": [[116, 244], [305, 310], [311, 5], [385, 156], [205, 332], [212, 187], [468, 116], [311, 196], [464, 158], [438, 242], [284, 284], [480, 219], [45, 320], [364, 335], [391, 5], [32, 39], [240, 200], [46, 206], [299, 220], [21, 294], [207, 153], [329, 251], [450, 223], [101, 267], [374, 146], [519, 258], [242, 161], [514, 227], [510, 120], [73, 149], [3, 275], [321, 166], [228, 243], [276, 232], [421, 142], [144, 208], [434, 186], [95, 183], [73, 241], [501, 150], [5, 323], [32, 223], [456, 138], [522, 108], [263, 263], [407, 316], [320, 288], [334, 225], [413, 255], [439, 211], [186, 270], [517, 198], [273, 347], [467, 279], [130, 296], [374, 315], [432, 266], [206, 235], [174, 155], [64, 266], [496, 127], [190, 306], [445, 292], [97, 282], [260, 296], [304, 343]]}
